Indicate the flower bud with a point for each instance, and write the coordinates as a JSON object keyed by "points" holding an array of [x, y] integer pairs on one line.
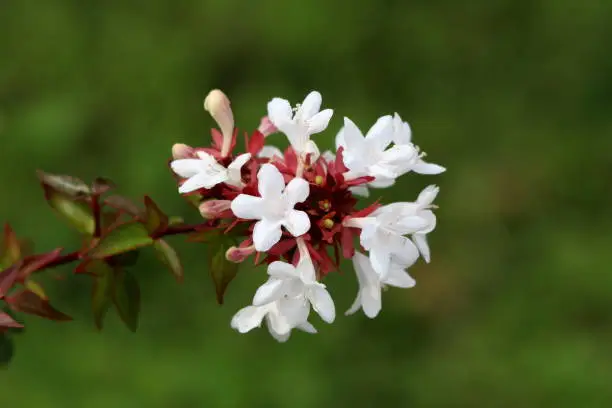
{"points": [[181, 151], [218, 105], [238, 254], [214, 208], [266, 127]]}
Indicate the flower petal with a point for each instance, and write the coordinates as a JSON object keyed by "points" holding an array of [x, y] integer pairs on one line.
{"points": [[428, 195], [407, 255], [297, 191], [340, 139], [310, 106], [186, 167], [248, 207], [296, 222], [280, 112], [201, 180], [420, 241], [402, 134], [270, 181], [322, 303], [355, 306], [399, 278], [269, 292], [353, 138], [380, 257], [282, 270], [277, 323], [362, 191], [248, 318], [307, 327], [369, 285], [380, 134], [239, 161], [320, 121], [382, 182], [266, 234], [269, 152], [422, 167]]}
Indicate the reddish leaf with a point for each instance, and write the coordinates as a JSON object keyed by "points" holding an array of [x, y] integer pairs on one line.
{"points": [[8, 278], [36, 262], [29, 302], [256, 143], [101, 186], [6, 321], [155, 218], [10, 251], [122, 203]]}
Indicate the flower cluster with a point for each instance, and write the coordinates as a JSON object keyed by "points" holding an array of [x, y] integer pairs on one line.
{"points": [[296, 210]]}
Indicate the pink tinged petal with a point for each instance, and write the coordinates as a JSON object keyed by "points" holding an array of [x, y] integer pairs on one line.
{"points": [[282, 270], [380, 134], [248, 318], [270, 151], [322, 303], [399, 278], [248, 207], [360, 191], [310, 106], [353, 138], [421, 242], [270, 181], [307, 327], [320, 121], [422, 167], [428, 195], [297, 191], [186, 167], [296, 222], [269, 292], [266, 234], [369, 286], [280, 112]]}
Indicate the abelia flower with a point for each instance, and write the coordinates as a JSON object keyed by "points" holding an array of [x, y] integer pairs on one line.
{"points": [[274, 208], [300, 124], [371, 285], [205, 172], [296, 210]]}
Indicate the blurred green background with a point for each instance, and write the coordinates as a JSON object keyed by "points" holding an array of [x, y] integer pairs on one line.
{"points": [[514, 97]]}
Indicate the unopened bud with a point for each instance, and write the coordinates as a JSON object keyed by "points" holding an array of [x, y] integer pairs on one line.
{"points": [[218, 105], [266, 127], [238, 254], [181, 151], [214, 208]]}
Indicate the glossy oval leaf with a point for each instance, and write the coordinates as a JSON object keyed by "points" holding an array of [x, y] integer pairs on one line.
{"points": [[75, 211], [126, 297], [123, 238], [168, 256]]}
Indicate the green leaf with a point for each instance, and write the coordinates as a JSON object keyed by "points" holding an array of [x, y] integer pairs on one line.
{"points": [[69, 185], [102, 290], [7, 349], [170, 258], [123, 238], [222, 271], [156, 220], [126, 297], [74, 210]]}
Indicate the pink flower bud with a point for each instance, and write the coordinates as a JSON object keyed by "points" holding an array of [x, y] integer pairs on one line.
{"points": [[214, 208], [182, 151], [266, 127], [237, 254], [218, 105]]}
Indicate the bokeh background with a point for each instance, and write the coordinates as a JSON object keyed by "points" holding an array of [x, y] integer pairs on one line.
{"points": [[513, 96]]}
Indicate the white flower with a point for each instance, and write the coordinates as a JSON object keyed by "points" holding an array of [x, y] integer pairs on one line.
{"points": [[383, 232], [402, 136], [306, 121], [293, 282], [281, 316], [205, 172], [370, 155], [275, 207], [371, 284], [285, 299]]}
